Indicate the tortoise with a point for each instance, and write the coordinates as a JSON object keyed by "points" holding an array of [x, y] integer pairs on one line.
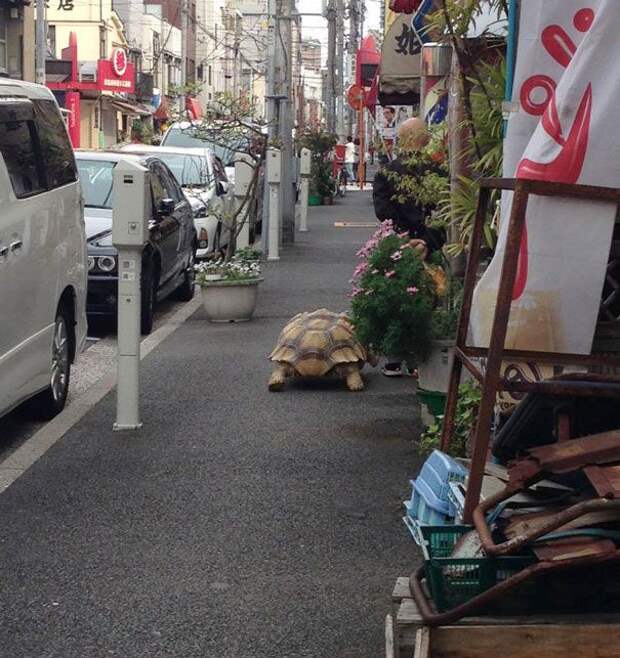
{"points": [[318, 344]]}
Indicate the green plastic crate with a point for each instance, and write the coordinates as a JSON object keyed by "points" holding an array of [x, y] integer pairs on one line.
{"points": [[454, 581], [435, 401]]}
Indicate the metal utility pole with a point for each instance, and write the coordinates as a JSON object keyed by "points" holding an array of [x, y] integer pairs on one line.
{"points": [[184, 28], [40, 43], [330, 101], [340, 127], [287, 114]]}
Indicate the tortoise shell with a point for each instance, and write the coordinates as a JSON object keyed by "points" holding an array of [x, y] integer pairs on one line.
{"points": [[313, 343]]}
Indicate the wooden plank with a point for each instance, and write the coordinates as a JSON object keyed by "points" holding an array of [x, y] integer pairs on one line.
{"points": [[581, 641], [409, 616], [423, 643], [389, 638], [401, 590]]}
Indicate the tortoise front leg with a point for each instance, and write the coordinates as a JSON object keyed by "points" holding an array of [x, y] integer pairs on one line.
{"points": [[278, 377], [354, 378]]}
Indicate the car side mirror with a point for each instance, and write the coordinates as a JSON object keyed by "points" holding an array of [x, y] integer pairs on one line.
{"points": [[221, 188], [166, 207]]}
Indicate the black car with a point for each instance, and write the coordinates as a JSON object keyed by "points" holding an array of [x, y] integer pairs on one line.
{"points": [[168, 258]]}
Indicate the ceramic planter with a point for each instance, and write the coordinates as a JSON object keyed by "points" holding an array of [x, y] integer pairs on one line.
{"points": [[230, 301], [434, 374], [314, 200]]}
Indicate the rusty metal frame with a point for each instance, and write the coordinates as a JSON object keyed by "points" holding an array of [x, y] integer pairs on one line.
{"points": [[491, 379], [433, 618]]}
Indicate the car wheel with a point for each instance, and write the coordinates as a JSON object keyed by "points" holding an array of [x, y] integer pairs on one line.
{"points": [[148, 299], [51, 401], [185, 292]]}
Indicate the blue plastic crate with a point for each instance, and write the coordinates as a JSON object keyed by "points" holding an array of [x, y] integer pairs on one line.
{"points": [[425, 506], [439, 471]]}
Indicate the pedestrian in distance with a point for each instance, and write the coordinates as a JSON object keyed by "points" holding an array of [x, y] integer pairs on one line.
{"points": [[349, 160], [407, 214]]}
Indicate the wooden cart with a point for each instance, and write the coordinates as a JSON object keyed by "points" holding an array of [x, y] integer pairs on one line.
{"points": [[566, 636]]}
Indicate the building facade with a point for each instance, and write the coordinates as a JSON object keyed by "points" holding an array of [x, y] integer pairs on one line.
{"points": [[17, 59], [90, 73]]}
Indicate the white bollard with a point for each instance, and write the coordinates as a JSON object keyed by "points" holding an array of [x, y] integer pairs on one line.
{"points": [[274, 176], [304, 172], [130, 232], [244, 173]]}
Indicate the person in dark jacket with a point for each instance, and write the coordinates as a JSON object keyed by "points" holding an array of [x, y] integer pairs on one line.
{"points": [[408, 216]]}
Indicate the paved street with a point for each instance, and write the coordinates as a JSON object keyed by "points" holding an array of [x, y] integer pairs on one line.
{"points": [[239, 523]]}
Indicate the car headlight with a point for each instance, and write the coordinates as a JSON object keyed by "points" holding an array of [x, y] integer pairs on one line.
{"points": [[91, 263], [106, 263]]}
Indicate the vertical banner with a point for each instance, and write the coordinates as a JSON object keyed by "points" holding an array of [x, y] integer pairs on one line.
{"points": [[566, 130], [72, 101]]}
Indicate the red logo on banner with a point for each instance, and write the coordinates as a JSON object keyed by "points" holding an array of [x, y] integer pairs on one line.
{"points": [[568, 165], [119, 61]]}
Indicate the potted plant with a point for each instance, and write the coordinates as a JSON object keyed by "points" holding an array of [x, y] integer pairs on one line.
{"points": [[393, 296], [320, 143], [464, 423], [434, 373], [230, 287]]}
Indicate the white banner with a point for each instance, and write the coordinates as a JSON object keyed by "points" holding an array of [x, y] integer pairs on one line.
{"points": [[567, 130]]}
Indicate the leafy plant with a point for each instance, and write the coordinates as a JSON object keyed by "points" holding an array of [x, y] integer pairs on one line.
{"points": [[393, 296], [244, 266], [465, 421], [320, 144], [444, 321], [458, 207], [426, 180]]}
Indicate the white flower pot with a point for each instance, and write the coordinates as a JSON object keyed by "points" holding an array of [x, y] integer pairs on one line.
{"points": [[230, 301], [434, 374]]}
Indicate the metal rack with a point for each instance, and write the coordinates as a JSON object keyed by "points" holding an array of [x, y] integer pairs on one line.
{"points": [[490, 379]]}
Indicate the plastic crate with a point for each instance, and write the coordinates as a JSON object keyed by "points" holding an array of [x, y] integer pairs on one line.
{"points": [[425, 506], [438, 471], [453, 581]]}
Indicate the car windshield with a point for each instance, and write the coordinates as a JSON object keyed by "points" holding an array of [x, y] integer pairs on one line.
{"points": [[189, 170], [200, 138], [96, 178]]}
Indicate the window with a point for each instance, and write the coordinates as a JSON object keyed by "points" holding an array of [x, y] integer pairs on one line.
{"points": [[18, 145], [3, 62], [97, 178], [55, 146], [51, 40]]}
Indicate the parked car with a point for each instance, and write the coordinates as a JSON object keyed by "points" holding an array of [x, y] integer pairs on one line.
{"points": [[168, 257], [42, 252], [225, 145], [205, 185]]}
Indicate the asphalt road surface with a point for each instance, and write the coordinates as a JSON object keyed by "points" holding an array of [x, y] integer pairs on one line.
{"points": [[238, 523]]}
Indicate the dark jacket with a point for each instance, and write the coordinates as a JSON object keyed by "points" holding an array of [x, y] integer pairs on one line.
{"points": [[408, 216]]}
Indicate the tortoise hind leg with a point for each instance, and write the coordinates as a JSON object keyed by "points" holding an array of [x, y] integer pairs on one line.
{"points": [[354, 379], [278, 377]]}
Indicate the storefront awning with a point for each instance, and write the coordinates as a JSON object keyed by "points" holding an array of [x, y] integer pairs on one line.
{"points": [[401, 65], [126, 107]]}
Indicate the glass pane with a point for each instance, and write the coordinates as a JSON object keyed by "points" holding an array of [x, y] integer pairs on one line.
{"points": [[20, 158]]}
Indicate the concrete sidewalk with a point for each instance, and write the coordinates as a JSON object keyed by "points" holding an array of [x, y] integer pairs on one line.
{"points": [[239, 523]]}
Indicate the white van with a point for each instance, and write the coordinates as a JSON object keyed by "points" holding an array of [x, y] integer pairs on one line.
{"points": [[43, 263]]}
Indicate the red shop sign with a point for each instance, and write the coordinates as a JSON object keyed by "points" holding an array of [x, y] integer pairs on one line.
{"points": [[117, 73]]}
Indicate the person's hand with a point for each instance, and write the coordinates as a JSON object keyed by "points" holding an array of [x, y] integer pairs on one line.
{"points": [[420, 247]]}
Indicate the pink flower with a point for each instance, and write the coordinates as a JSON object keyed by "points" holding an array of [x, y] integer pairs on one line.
{"points": [[390, 274], [412, 290], [355, 292], [396, 256]]}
